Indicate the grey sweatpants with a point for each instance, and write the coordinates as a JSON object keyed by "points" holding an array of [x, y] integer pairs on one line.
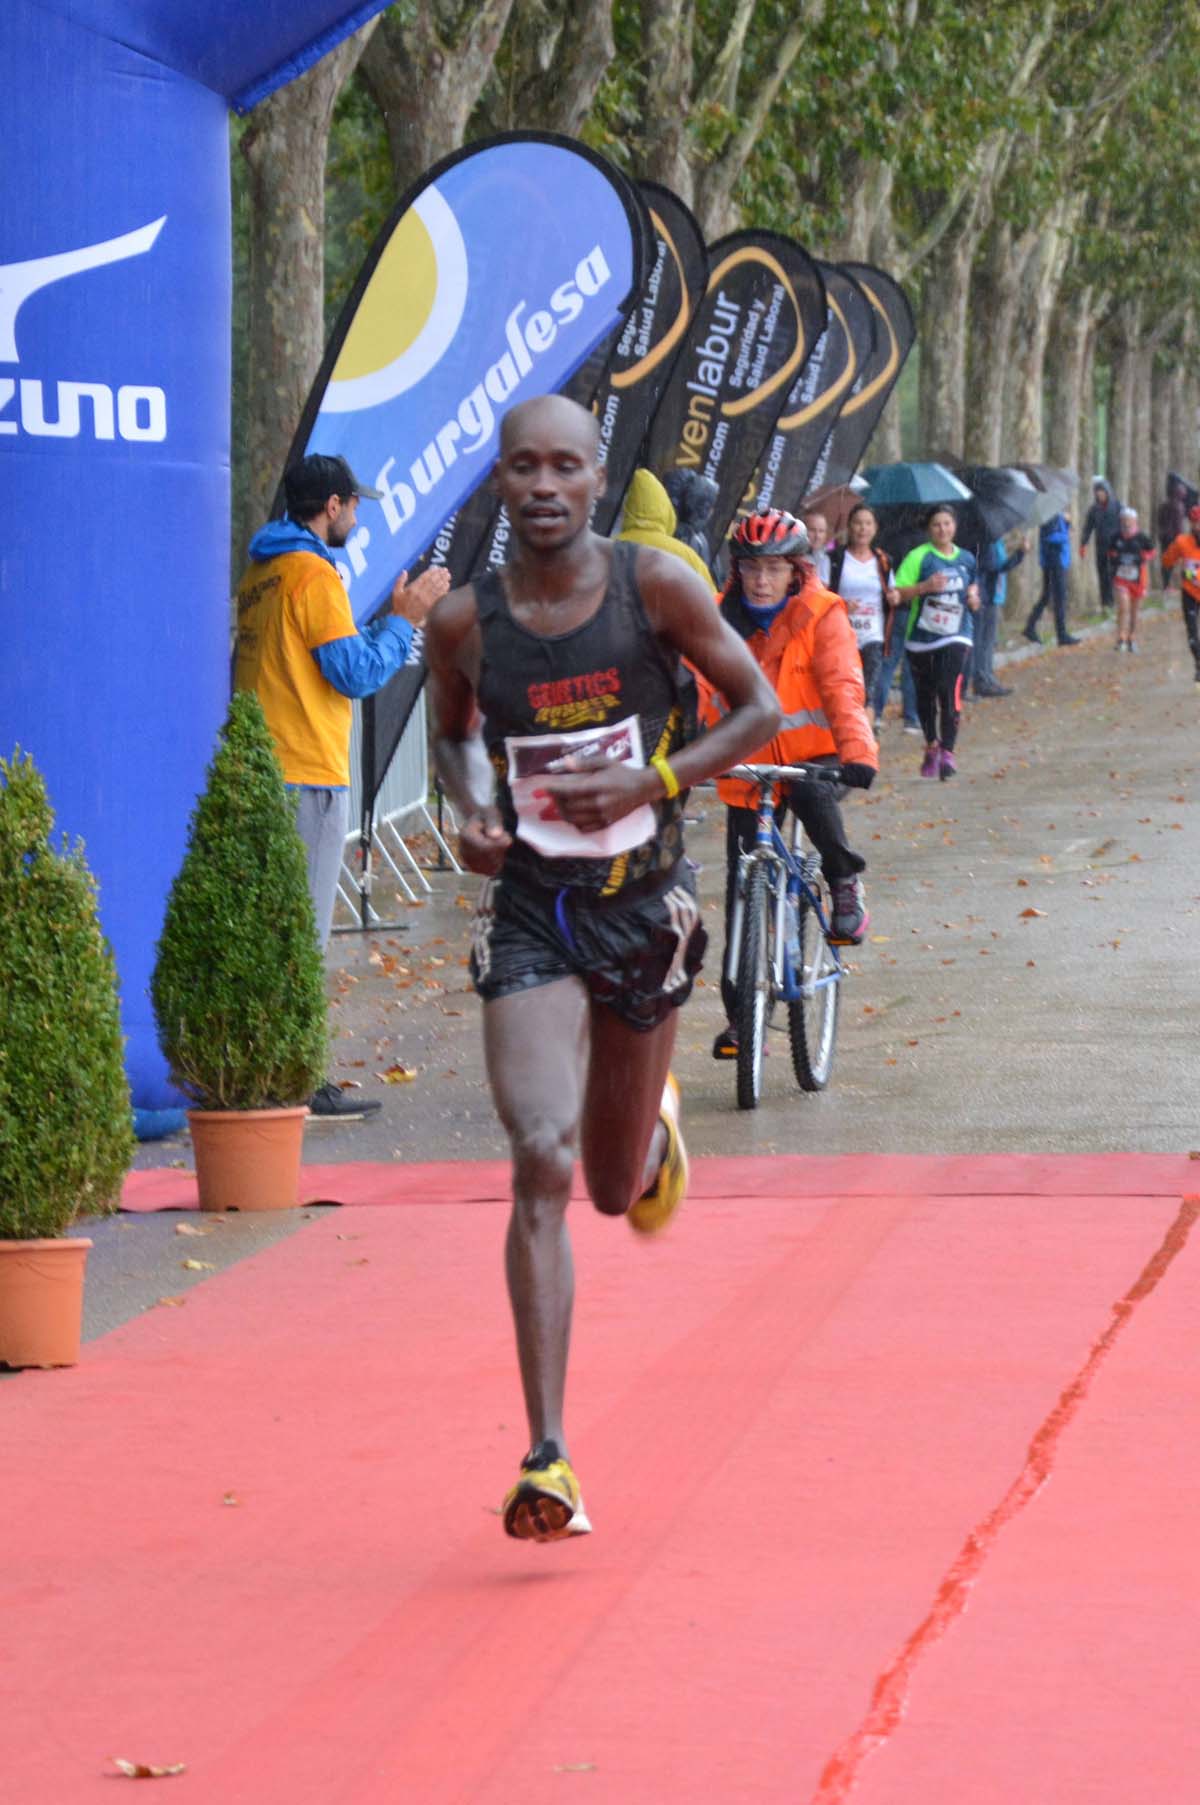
{"points": [[321, 821]]}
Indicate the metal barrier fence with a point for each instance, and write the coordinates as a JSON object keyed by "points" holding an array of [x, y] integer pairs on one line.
{"points": [[402, 803]]}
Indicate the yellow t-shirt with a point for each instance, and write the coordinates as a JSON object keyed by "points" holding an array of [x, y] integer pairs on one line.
{"points": [[287, 607]]}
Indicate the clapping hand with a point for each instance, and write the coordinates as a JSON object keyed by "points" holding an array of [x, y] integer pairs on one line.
{"points": [[414, 600]]}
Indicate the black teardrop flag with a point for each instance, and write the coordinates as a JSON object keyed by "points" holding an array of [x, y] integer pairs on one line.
{"points": [[895, 332], [762, 313], [650, 344], [781, 479]]}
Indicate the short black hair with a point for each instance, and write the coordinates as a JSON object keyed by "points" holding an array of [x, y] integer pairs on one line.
{"points": [[942, 507]]}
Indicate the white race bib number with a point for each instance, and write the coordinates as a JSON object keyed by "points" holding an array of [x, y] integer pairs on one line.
{"points": [[534, 757], [941, 615], [867, 623], [1128, 572]]}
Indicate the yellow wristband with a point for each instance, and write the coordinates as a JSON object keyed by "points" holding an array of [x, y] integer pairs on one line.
{"points": [[670, 781]]}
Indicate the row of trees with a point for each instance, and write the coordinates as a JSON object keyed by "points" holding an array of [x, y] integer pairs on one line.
{"points": [[1028, 168]]}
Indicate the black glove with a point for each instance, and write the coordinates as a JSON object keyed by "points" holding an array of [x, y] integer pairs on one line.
{"points": [[858, 777]]}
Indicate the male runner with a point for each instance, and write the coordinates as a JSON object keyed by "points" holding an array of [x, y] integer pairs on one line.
{"points": [[589, 938]]}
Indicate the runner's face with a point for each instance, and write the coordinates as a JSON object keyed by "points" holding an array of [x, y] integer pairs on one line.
{"points": [[862, 529], [548, 479], [941, 531], [766, 580], [817, 529]]}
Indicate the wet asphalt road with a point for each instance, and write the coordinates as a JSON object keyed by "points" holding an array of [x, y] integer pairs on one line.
{"points": [[970, 1023]]}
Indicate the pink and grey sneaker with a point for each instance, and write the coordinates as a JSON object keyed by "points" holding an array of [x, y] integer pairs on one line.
{"points": [[931, 765], [947, 765], [849, 920]]}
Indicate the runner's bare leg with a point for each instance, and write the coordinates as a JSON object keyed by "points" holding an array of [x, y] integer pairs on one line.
{"points": [[533, 1045], [622, 1141]]}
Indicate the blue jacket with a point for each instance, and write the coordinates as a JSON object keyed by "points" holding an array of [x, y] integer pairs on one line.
{"points": [[1054, 544], [993, 572]]}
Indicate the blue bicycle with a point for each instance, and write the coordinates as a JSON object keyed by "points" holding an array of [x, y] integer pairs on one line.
{"points": [[779, 950]]}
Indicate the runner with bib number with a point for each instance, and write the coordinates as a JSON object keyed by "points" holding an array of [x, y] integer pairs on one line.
{"points": [[938, 580]]}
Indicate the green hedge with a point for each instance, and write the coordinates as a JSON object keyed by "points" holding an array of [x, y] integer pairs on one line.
{"points": [[66, 1131], [239, 983]]}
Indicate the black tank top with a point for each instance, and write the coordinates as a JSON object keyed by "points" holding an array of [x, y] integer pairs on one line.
{"points": [[607, 685]]}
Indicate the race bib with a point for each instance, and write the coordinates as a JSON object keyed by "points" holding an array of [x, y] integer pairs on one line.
{"points": [[941, 615], [1128, 572], [867, 623], [534, 757]]}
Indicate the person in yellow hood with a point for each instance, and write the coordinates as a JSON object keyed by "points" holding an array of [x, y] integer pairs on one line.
{"points": [[649, 519]]}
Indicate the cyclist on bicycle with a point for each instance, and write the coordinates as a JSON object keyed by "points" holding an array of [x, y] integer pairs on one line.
{"points": [[801, 637]]}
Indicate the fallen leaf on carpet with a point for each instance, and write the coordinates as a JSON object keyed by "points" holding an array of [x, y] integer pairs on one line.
{"points": [[142, 1770], [192, 1228], [173, 1303], [576, 1767], [1029, 914], [230, 1498], [197, 1265]]}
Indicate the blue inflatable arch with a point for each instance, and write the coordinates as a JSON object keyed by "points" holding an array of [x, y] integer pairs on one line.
{"points": [[115, 276]]}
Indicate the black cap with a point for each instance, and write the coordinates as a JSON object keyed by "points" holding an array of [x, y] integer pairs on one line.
{"points": [[315, 478]]}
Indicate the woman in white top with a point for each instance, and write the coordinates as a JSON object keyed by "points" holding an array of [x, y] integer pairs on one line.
{"points": [[861, 574]]}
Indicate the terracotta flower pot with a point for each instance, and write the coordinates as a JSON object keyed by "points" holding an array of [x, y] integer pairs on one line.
{"points": [[248, 1159], [41, 1301]]}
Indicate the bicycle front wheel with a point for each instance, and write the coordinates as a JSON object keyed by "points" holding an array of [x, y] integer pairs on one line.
{"points": [[812, 1018], [753, 987]]}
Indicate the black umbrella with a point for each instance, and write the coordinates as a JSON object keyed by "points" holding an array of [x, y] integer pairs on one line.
{"points": [[1000, 500]]}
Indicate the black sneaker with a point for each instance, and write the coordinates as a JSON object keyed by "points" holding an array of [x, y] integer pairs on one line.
{"points": [[346, 1106], [987, 689], [1031, 634], [1070, 639]]}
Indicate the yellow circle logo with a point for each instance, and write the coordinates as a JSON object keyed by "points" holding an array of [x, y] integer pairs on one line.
{"points": [[410, 311]]}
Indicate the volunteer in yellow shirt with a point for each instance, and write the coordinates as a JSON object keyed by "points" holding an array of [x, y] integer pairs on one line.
{"points": [[300, 651]]}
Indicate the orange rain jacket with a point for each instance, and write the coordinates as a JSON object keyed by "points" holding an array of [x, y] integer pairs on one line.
{"points": [[1186, 551], [810, 657]]}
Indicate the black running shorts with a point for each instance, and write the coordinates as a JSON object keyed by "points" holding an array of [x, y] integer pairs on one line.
{"points": [[638, 956]]}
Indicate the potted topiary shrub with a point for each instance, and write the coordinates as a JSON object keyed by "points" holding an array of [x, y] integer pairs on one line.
{"points": [[239, 979], [66, 1127]]}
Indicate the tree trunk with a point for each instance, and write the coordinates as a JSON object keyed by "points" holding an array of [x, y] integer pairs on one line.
{"points": [[1069, 400], [284, 148], [1041, 280], [1160, 432], [1079, 583], [560, 64], [1121, 425], [1141, 462], [943, 339], [667, 27], [995, 292], [426, 84], [1066, 363]]}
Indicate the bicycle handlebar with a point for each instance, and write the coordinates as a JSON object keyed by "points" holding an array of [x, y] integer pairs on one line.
{"points": [[765, 775]]}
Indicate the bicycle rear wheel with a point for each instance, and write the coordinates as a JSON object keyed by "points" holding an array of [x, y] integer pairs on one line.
{"points": [[753, 987], [812, 1018]]}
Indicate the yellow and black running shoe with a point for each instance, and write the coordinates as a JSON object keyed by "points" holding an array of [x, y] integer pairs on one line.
{"points": [[544, 1503], [651, 1213]]}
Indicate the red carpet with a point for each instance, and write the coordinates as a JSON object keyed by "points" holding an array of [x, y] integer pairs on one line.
{"points": [[843, 1175], [895, 1499]]}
